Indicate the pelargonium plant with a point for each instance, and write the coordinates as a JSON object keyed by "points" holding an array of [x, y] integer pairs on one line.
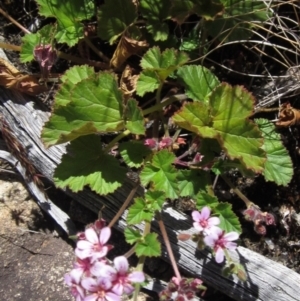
{"points": [[159, 113]]}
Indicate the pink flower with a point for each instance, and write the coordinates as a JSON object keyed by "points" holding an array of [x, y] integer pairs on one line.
{"points": [[219, 241], [203, 221], [99, 289], [81, 267], [152, 143], [165, 142], [94, 246], [73, 281], [46, 57], [119, 276]]}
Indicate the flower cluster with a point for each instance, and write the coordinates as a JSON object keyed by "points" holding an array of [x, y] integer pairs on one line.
{"points": [[181, 289], [46, 56], [259, 218], [164, 142], [212, 235], [93, 277]]}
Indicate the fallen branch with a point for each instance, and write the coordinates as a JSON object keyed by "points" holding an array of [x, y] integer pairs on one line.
{"points": [[267, 280]]}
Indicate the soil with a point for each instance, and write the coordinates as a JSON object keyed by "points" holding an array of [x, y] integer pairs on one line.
{"points": [[34, 255]]}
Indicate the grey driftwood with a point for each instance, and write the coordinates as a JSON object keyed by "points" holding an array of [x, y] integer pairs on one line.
{"points": [[267, 280]]}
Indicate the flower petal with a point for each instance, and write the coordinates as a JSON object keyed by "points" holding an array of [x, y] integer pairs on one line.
{"points": [[121, 264], [213, 221], [84, 244], [112, 297], [82, 254], [219, 255], [92, 297], [196, 216], [104, 283], [104, 235], [118, 289], [231, 245], [91, 235], [197, 226], [128, 289], [210, 240], [136, 276], [96, 268], [231, 236], [89, 284], [205, 213]]}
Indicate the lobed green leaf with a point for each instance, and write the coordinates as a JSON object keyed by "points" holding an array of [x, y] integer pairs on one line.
{"points": [[134, 153], [228, 219], [68, 15], [279, 166], [226, 118], [86, 164], [149, 246], [161, 173], [95, 106], [114, 17], [198, 81]]}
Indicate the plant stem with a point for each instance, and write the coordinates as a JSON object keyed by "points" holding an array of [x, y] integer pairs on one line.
{"points": [[114, 141], [124, 206], [81, 61], [98, 52], [168, 245], [165, 102], [10, 46], [247, 202], [6, 15], [140, 265]]}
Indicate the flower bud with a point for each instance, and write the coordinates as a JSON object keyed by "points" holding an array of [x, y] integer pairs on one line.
{"points": [[46, 56]]}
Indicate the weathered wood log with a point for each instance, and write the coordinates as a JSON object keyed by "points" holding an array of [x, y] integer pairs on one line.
{"points": [[267, 280]]}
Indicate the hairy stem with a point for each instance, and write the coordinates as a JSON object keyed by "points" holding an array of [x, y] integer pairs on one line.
{"points": [[114, 141], [165, 102], [97, 51], [247, 202], [124, 206], [6, 15], [168, 245]]}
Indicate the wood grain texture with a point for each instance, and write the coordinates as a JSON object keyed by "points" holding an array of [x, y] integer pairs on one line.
{"points": [[267, 280]]}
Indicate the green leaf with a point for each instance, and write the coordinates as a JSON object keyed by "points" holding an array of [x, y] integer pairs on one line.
{"points": [[114, 17], [204, 199], [134, 116], [159, 31], [198, 81], [163, 63], [95, 105], [161, 173], [226, 118], [44, 36], [155, 199], [228, 219], [150, 246], [180, 10], [134, 152], [238, 19], [131, 235], [156, 12], [70, 78], [139, 212], [190, 42], [86, 164], [190, 182], [279, 166], [148, 81], [68, 15]]}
